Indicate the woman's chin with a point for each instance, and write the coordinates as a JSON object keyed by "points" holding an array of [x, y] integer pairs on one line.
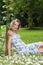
{"points": [[15, 30]]}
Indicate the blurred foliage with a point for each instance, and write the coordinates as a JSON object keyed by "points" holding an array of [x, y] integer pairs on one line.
{"points": [[30, 12]]}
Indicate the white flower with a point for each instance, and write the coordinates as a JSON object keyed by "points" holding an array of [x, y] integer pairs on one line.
{"points": [[41, 61], [34, 56], [22, 62], [23, 56], [28, 63], [30, 56], [10, 57], [37, 63], [16, 62], [12, 61], [6, 57], [0, 63], [5, 60]]}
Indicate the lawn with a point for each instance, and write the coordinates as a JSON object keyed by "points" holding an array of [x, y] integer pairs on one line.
{"points": [[28, 36]]}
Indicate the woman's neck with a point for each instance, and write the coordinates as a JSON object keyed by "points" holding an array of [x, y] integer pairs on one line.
{"points": [[15, 32]]}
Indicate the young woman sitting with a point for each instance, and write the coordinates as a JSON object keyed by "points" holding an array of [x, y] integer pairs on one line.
{"points": [[15, 40]]}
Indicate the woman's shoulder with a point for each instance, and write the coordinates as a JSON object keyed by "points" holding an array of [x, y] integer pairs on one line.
{"points": [[10, 33]]}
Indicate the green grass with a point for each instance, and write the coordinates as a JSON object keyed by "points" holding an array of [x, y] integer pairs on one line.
{"points": [[29, 36]]}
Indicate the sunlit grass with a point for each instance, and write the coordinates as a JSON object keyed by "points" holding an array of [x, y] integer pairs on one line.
{"points": [[29, 36]]}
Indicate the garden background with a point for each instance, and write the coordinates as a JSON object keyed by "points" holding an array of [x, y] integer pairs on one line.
{"points": [[30, 13]]}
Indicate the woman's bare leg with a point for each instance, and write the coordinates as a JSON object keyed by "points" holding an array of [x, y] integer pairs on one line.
{"points": [[40, 48]]}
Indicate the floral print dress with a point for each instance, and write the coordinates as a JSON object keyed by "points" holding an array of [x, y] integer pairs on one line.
{"points": [[22, 48]]}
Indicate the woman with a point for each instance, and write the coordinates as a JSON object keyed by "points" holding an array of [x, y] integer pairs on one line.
{"points": [[21, 47]]}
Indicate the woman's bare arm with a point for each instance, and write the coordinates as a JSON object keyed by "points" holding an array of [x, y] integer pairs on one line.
{"points": [[9, 42]]}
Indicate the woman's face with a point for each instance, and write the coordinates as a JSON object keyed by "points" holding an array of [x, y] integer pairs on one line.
{"points": [[15, 26]]}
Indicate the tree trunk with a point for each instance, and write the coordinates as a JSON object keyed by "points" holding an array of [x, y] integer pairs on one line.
{"points": [[6, 40]]}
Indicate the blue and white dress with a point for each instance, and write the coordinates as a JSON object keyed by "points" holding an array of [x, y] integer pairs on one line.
{"points": [[22, 48]]}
